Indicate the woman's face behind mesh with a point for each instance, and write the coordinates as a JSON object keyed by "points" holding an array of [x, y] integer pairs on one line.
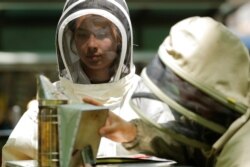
{"points": [[96, 44]]}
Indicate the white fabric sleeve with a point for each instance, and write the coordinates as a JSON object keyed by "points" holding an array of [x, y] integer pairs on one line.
{"points": [[22, 143]]}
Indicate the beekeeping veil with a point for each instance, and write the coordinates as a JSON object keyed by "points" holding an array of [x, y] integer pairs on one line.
{"points": [[202, 72], [115, 11], [73, 79]]}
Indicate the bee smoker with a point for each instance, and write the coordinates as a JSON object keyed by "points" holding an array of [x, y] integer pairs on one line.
{"points": [[48, 137]]}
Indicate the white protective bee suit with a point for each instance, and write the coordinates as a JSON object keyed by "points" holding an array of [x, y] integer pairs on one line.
{"points": [[74, 83]]}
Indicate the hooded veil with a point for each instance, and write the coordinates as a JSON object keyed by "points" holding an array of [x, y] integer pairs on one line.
{"points": [[73, 79]]}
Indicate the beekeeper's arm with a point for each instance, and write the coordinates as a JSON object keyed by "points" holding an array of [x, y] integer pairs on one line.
{"points": [[143, 138], [22, 142]]}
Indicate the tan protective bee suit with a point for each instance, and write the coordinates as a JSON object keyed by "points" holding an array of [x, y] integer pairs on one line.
{"points": [[202, 72]]}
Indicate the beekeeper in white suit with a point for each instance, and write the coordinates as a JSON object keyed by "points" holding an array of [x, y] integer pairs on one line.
{"points": [[94, 46]]}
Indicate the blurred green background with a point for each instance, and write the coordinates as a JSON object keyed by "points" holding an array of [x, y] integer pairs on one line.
{"points": [[29, 25]]}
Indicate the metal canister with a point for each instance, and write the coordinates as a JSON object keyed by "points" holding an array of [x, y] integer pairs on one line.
{"points": [[48, 138]]}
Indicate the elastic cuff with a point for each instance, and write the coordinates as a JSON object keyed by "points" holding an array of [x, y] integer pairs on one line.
{"points": [[134, 143]]}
